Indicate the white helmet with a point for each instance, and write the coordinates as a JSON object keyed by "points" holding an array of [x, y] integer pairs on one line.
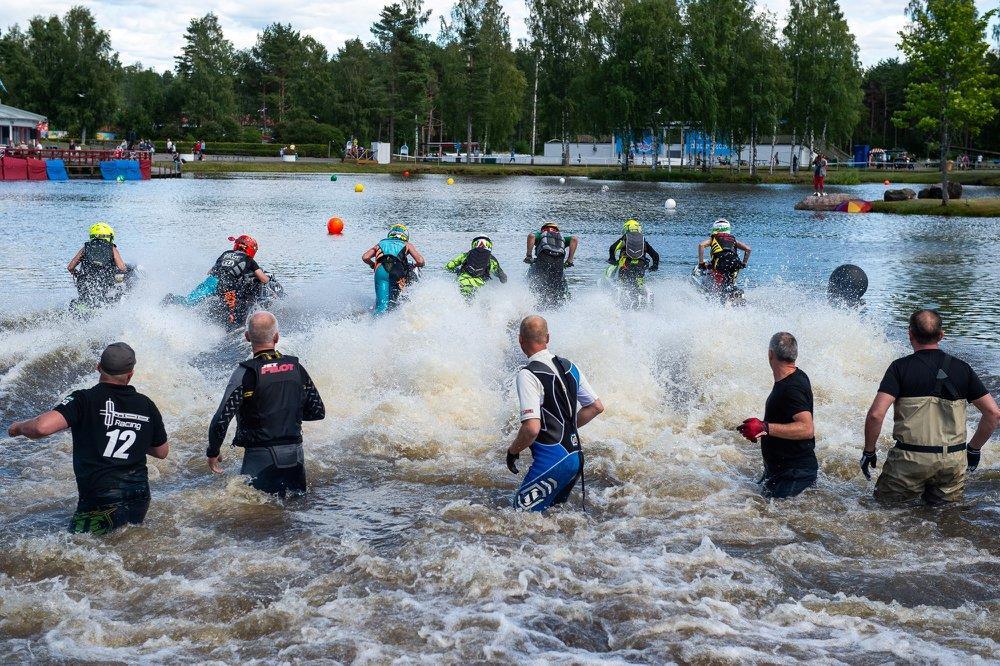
{"points": [[722, 226]]}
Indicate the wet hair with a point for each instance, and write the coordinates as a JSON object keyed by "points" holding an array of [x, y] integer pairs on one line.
{"points": [[925, 325], [784, 346], [262, 326], [534, 329]]}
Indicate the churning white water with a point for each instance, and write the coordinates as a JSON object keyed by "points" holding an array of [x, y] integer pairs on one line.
{"points": [[406, 549]]}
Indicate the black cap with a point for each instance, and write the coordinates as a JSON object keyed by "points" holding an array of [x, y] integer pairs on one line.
{"points": [[118, 359]]}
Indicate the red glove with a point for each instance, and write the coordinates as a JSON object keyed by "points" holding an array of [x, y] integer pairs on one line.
{"points": [[752, 429]]}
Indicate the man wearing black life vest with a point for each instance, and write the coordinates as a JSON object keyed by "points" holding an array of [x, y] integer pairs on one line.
{"points": [[270, 395], [239, 280], [98, 268], [556, 400], [628, 259], [929, 391], [476, 266], [724, 260], [549, 253]]}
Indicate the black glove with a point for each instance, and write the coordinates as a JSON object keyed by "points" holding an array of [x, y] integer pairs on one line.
{"points": [[569, 264], [612, 262], [973, 456], [527, 260], [743, 264], [512, 462], [654, 268], [868, 461]]}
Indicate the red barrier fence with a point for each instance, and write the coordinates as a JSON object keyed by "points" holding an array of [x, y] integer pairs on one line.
{"points": [[28, 163]]}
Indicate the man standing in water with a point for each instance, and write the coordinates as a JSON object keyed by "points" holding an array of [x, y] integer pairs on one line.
{"points": [[270, 395], [928, 390], [114, 428], [786, 435], [556, 400]]}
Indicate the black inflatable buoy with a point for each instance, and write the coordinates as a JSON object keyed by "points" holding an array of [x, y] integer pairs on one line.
{"points": [[848, 283]]}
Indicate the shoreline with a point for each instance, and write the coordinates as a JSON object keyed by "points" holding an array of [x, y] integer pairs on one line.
{"points": [[984, 207], [637, 174]]}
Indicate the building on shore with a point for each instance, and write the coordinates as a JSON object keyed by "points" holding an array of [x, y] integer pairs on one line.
{"points": [[19, 126]]}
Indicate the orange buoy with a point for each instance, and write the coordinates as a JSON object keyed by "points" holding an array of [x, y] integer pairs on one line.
{"points": [[886, 182], [335, 226], [406, 174]]}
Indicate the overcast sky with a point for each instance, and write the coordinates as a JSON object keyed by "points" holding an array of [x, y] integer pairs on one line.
{"points": [[151, 31]]}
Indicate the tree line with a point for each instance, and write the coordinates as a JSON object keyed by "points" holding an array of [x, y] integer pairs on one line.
{"points": [[589, 68]]}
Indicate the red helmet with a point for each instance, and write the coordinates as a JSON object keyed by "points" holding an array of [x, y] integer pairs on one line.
{"points": [[244, 243]]}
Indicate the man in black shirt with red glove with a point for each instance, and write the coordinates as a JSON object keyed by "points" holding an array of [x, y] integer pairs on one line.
{"points": [[929, 391], [270, 395], [114, 428], [787, 438]]}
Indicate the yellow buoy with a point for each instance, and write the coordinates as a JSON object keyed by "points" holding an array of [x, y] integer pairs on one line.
{"points": [[359, 188], [451, 181]]}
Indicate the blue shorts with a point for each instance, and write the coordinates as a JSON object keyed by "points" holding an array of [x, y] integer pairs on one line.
{"points": [[543, 488]]}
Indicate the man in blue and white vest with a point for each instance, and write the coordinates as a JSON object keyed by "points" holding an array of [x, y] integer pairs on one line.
{"points": [[556, 400]]}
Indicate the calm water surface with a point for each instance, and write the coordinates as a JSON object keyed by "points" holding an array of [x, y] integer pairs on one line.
{"points": [[404, 549]]}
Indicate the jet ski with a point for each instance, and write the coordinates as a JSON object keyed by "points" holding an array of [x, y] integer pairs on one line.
{"points": [[629, 293], [229, 309], [94, 294], [715, 285]]}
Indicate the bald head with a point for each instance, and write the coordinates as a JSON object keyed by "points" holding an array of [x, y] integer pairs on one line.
{"points": [[925, 327], [262, 330], [534, 334]]}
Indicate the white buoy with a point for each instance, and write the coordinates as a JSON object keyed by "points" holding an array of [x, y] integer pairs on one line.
{"points": [[562, 181], [670, 204], [604, 188]]}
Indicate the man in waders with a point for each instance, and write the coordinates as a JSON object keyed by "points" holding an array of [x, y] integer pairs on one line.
{"points": [[270, 395], [556, 400], [928, 391]]}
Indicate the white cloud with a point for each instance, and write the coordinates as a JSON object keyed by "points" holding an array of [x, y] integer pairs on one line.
{"points": [[151, 31]]}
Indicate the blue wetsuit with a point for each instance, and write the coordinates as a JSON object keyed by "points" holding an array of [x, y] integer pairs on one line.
{"points": [[386, 291], [557, 461]]}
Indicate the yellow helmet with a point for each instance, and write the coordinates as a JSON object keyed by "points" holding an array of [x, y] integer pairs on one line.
{"points": [[102, 230], [632, 227]]}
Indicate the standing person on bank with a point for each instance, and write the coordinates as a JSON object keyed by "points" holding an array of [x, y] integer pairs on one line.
{"points": [[114, 428], [819, 175], [786, 435], [556, 400], [928, 391], [270, 395]]}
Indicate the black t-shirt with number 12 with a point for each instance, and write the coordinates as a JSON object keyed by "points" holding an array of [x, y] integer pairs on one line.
{"points": [[113, 427], [790, 396]]}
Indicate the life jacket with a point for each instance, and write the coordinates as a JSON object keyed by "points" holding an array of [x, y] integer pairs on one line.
{"points": [[559, 406], [391, 255], [273, 413], [632, 249], [725, 259], [478, 263], [98, 256], [550, 244], [232, 270]]}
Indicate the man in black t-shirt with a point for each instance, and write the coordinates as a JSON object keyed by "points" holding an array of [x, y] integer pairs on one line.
{"points": [[114, 428], [786, 435], [929, 391]]}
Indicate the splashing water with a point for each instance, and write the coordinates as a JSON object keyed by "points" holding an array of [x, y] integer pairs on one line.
{"points": [[406, 547]]}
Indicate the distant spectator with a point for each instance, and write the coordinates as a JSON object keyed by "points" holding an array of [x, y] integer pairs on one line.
{"points": [[512, 155], [170, 146], [177, 162]]}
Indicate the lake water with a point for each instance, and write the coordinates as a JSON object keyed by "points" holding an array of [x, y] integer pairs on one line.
{"points": [[405, 548]]}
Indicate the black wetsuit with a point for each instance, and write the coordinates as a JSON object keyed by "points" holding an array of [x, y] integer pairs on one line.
{"points": [[95, 276], [238, 287], [270, 395], [790, 465], [113, 427]]}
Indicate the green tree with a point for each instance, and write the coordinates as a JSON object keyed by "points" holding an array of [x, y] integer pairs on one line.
{"points": [[205, 78], [64, 69], [358, 103], [143, 101], [641, 71], [557, 36], [404, 72], [951, 87]]}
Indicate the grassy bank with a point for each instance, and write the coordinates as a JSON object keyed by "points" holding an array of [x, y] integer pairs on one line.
{"points": [[985, 207], [394, 168], [636, 174]]}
